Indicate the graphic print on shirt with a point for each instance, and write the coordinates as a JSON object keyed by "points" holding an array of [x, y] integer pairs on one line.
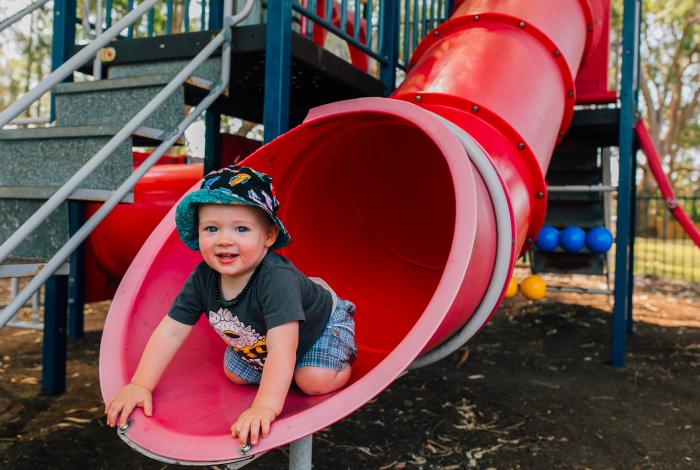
{"points": [[250, 345]]}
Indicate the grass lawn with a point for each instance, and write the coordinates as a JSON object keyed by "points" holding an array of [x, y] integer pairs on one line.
{"points": [[678, 259]]}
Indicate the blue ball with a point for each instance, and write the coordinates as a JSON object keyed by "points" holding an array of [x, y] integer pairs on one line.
{"points": [[572, 239], [548, 238], [599, 239]]}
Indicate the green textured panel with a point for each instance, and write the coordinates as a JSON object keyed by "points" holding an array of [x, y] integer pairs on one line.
{"points": [[49, 157], [97, 103], [46, 239], [209, 70]]}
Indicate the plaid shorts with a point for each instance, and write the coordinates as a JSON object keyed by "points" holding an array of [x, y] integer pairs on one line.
{"points": [[334, 349]]}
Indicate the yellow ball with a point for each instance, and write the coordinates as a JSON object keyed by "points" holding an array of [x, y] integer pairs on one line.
{"points": [[512, 288], [533, 287]]}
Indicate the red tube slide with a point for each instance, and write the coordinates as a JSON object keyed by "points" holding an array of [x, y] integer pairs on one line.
{"points": [[647, 145], [415, 208]]}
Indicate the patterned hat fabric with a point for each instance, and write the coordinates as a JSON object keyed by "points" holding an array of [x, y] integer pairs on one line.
{"points": [[234, 184]]}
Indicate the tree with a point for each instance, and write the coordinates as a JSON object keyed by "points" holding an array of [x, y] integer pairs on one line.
{"points": [[670, 87]]}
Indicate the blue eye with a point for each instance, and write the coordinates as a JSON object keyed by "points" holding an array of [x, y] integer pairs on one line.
{"points": [[211, 229], [241, 229]]}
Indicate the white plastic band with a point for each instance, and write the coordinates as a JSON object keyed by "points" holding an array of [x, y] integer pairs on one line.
{"points": [[501, 267]]}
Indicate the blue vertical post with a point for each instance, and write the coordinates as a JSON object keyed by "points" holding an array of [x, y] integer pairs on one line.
{"points": [[216, 14], [389, 45], [76, 304], [633, 193], [63, 38], [212, 119], [278, 67], [53, 370], [629, 321], [212, 141], [630, 58]]}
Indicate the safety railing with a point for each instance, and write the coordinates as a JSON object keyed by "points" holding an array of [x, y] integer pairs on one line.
{"points": [[4, 24], [167, 17], [222, 39], [363, 23]]}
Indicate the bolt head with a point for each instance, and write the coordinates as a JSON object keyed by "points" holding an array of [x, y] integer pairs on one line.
{"points": [[436, 32], [475, 108], [557, 53], [528, 240], [521, 145], [539, 195], [570, 94], [521, 24], [419, 98], [476, 17]]}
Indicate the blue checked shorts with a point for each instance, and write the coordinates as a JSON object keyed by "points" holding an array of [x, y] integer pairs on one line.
{"points": [[334, 349]]}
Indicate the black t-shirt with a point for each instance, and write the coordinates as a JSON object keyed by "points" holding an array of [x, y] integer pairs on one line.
{"points": [[277, 293]]}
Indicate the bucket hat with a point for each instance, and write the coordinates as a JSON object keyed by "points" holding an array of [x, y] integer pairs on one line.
{"points": [[234, 184]]}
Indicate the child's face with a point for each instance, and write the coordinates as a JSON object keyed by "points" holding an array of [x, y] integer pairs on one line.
{"points": [[234, 239]]}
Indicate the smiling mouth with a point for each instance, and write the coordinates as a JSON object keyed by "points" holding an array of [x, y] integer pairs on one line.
{"points": [[226, 256]]}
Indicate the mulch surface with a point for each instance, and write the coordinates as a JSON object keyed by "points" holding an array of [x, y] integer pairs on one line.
{"points": [[533, 390]]}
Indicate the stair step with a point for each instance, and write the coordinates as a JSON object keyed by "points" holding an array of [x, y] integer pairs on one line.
{"points": [[48, 157], [116, 101], [209, 70], [45, 240]]}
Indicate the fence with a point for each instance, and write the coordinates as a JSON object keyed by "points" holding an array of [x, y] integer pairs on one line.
{"points": [[662, 248]]}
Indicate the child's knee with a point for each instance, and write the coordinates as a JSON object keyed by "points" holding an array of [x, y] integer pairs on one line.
{"points": [[319, 381], [234, 378]]}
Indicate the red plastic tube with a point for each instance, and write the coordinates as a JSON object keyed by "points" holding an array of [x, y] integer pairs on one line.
{"points": [[414, 208], [654, 161]]}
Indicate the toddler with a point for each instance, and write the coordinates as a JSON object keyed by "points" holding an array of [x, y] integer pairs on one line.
{"points": [[278, 324]]}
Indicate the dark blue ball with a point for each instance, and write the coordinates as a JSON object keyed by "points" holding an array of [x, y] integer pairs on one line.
{"points": [[548, 238], [572, 239], [599, 239]]}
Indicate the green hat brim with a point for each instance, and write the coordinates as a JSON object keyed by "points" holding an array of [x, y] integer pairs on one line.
{"points": [[186, 216]]}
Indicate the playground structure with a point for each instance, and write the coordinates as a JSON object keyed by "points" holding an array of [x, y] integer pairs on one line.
{"points": [[475, 158]]}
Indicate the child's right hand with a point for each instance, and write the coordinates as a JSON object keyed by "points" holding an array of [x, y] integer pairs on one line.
{"points": [[125, 401]]}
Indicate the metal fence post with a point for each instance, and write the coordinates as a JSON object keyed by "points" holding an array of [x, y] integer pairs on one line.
{"points": [[278, 65]]}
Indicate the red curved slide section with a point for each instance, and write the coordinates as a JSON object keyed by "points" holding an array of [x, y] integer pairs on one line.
{"points": [[654, 161], [383, 202]]}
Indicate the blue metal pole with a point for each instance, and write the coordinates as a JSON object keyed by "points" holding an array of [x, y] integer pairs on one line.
{"points": [[187, 16], [108, 15], [169, 19], [151, 21], [76, 324], [216, 14], [130, 29], [629, 321], [212, 141], [630, 58], [53, 369], [63, 38], [389, 45], [278, 65]]}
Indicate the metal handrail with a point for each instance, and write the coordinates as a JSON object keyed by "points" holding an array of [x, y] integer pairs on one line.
{"points": [[221, 39], [72, 64], [21, 14]]}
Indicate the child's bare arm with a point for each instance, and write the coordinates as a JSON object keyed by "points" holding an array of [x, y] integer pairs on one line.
{"points": [[276, 378], [160, 349]]}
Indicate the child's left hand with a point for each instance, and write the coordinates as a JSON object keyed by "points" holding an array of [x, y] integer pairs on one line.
{"points": [[252, 422]]}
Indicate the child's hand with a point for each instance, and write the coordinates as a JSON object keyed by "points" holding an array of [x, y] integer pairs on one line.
{"points": [[251, 422], [125, 401]]}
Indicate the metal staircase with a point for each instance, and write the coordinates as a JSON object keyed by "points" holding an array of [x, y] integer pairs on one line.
{"points": [[87, 156]]}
